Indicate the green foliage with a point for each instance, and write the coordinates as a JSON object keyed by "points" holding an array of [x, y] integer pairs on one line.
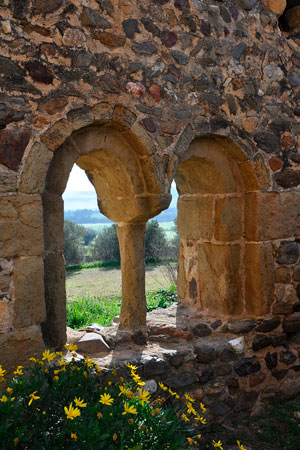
{"points": [[73, 242], [83, 311], [93, 265], [108, 412], [106, 245], [155, 241], [161, 299], [88, 309]]}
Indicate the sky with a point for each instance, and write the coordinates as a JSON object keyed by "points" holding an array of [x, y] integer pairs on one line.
{"points": [[80, 193]]}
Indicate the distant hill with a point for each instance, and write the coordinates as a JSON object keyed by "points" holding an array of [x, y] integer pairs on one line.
{"points": [[81, 208], [93, 216]]}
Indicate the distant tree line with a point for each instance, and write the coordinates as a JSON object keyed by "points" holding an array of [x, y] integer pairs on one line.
{"points": [[83, 244]]}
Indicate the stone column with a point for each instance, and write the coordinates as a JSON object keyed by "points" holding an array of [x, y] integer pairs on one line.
{"points": [[134, 308]]}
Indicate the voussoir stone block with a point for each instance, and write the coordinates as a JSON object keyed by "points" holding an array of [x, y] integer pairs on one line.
{"points": [[272, 215], [29, 303], [21, 224], [35, 169]]}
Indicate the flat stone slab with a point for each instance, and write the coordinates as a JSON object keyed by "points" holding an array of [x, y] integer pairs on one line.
{"points": [[92, 343]]}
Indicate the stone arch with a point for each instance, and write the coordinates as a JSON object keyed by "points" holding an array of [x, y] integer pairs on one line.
{"points": [[224, 267], [118, 160]]}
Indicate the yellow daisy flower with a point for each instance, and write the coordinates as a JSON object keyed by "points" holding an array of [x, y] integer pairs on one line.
{"points": [[129, 409], [144, 396], [106, 399], [71, 412], [79, 402], [48, 356], [217, 444], [74, 436], [3, 399], [33, 397]]}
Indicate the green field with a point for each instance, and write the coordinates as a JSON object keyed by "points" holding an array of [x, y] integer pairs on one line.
{"points": [[167, 227], [106, 281]]}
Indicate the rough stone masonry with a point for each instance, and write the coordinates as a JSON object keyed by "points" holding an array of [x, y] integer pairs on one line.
{"points": [[138, 94]]}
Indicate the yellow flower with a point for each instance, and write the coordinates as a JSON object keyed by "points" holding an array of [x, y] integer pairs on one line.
{"points": [[48, 356], [18, 371], [200, 419], [173, 393], [157, 410], [217, 444], [44, 413], [56, 378], [202, 407], [114, 372], [115, 436], [16, 440], [2, 372], [121, 379], [85, 374], [106, 399], [46, 370], [185, 418], [89, 362], [162, 386], [99, 415], [109, 383], [60, 354], [137, 379], [130, 421], [33, 397], [71, 347], [123, 390], [34, 360], [3, 399], [241, 447], [191, 409], [152, 413], [71, 412], [131, 367], [9, 390], [191, 441], [190, 399], [144, 396], [79, 402], [74, 436], [129, 409]]}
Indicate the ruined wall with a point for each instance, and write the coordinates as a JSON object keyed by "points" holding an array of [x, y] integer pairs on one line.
{"points": [[139, 93]]}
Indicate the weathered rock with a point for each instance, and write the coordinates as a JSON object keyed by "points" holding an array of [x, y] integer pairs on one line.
{"points": [[260, 341], [241, 326], [279, 374], [291, 324], [288, 253], [12, 147], [181, 380], [153, 366], [268, 325], [271, 360], [92, 343], [275, 6], [39, 72], [246, 400], [206, 375], [247, 366], [205, 353], [201, 329], [287, 357]]}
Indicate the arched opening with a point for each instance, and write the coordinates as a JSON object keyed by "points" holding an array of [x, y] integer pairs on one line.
{"points": [[128, 193], [219, 260]]}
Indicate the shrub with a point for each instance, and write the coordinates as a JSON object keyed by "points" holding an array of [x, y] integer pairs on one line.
{"points": [[60, 403]]}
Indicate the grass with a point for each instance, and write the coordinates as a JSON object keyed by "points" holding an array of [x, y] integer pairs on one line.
{"points": [[85, 310], [106, 281]]}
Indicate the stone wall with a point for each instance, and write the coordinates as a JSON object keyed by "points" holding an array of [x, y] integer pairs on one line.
{"points": [[138, 94]]}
